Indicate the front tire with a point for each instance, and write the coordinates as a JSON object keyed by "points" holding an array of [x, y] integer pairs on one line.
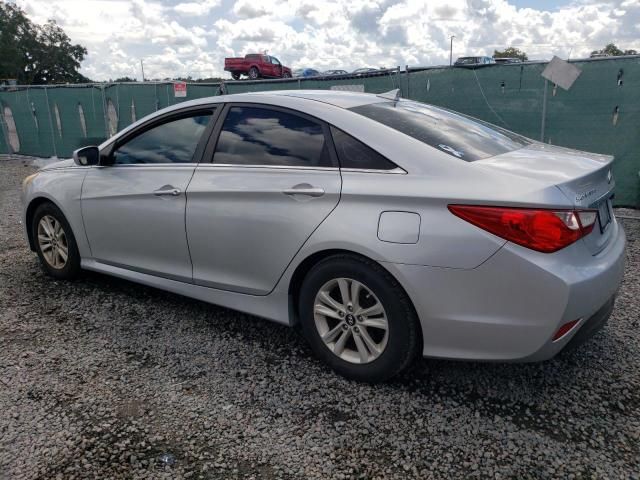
{"points": [[358, 319], [254, 74], [55, 244]]}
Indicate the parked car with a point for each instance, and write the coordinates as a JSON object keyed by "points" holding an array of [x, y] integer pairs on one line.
{"points": [[507, 60], [365, 70], [335, 72], [419, 231], [256, 65], [473, 61], [305, 72]]}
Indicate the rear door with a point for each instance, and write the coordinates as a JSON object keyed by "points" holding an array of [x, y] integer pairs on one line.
{"points": [[266, 68], [272, 180], [134, 208]]}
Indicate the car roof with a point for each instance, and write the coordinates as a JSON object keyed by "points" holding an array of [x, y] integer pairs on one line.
{"points": [[342, 99]]}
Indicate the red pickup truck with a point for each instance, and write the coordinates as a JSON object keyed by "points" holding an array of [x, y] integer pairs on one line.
{"points": [[256, 65]]}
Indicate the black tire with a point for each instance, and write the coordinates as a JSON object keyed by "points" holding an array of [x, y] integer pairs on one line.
{"points": [[235, 76], [286, 75], [71, 268], [403, 327], [254, 73]]}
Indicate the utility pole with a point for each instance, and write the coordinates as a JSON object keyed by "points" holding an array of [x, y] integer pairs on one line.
{"points": [[142, 68], [451, 51]]}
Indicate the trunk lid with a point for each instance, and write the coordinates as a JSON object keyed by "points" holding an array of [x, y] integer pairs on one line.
{"points": [[584, 178]]}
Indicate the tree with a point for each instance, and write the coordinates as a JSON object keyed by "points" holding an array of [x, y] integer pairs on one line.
{"points": [[36, 54], [612, 50], [511, 52], [125, 79]]}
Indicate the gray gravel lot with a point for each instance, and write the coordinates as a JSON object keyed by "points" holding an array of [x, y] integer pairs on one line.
{"points": [[100, 377]]}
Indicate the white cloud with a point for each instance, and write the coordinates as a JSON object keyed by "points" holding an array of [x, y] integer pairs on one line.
{"points": [[196, 8], [193, 37]]}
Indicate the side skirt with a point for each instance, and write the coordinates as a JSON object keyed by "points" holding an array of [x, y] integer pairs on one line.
{"points": [[274, 307]]}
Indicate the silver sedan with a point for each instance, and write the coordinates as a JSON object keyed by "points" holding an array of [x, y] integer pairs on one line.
{"points": [[384, 228]]}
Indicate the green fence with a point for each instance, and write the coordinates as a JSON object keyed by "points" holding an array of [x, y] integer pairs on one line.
{"points": [[600, 113]]}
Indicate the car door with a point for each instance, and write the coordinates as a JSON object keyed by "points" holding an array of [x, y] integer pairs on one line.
{"points": [[133, 204], [277, 67], [267, 66], [272, 180]]}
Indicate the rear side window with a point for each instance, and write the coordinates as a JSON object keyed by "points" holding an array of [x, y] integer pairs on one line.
{"points": [[172, 142], [453, 133], [353, 153], [261, 136]]}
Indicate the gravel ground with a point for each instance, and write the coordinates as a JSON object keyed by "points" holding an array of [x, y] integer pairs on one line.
{"points": [[100, 378]]}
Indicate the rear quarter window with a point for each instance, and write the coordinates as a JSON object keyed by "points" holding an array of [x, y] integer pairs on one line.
{"points": [[450, 132]]}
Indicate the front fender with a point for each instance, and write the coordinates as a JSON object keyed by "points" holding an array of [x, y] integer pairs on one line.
{"points": [[63, 188]]}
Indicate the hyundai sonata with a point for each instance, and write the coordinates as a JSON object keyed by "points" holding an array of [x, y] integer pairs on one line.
{"points": [[384, 228]]}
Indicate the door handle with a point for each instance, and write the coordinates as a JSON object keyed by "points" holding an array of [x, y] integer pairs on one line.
{"points": [[304, 189], [174, 192]]}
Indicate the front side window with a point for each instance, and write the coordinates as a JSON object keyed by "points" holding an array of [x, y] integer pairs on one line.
{"points": [[275, 61], [172, 142], [260, 136], [453, 133]]}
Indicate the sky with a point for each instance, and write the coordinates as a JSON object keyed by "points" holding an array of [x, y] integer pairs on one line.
{"points": [[180, 38]]}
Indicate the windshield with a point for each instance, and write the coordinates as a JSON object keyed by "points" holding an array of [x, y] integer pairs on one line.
{"points": [[458, 135], [468, 60]]}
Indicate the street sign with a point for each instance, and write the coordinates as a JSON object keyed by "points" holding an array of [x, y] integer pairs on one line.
{"points": [[179, 89], [561, 73]]}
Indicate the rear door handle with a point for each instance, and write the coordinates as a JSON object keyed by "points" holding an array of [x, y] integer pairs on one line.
{"points": [[167, 191], [304, 189]]}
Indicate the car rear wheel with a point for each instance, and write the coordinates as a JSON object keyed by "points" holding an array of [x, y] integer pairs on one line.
{"points": [[55, 244], [358, 319], [254, 73], [235, 76]]}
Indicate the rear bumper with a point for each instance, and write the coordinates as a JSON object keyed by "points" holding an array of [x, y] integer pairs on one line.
{"points": [[510, 307]]}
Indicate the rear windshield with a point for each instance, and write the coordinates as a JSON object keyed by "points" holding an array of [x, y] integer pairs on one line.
{"points": [[453, 133]]}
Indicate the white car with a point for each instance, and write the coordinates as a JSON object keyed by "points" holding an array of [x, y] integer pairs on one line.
{"points": [[385, 228]]}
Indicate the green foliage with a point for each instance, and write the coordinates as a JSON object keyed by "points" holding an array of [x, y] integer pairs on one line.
{"points": [[612, 50], [36, 54], [511, 52]]}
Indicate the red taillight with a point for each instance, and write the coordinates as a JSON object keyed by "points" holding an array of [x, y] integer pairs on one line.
{"points": [[542, 230], [564, 329]]}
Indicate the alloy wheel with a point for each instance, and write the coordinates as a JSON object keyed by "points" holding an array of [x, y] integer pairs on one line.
{"points": [[53, 242], [351, 320]]}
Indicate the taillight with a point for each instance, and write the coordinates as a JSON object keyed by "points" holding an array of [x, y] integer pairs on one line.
{"points": [[539, 229]]}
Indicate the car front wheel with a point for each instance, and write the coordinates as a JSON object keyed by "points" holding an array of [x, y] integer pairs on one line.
{"points": [[254, 73], [358, 319], [55, 244]]}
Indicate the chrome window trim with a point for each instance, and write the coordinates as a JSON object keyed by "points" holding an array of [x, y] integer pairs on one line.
{"points": [[149, 165], [394, 171], [272, 167]]}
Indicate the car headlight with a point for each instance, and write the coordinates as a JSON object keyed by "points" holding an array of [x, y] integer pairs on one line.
{"points": [[28, 180]]}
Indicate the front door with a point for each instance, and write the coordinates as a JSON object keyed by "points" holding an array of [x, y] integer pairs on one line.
{"points": [[134, 207], [272, 181]]}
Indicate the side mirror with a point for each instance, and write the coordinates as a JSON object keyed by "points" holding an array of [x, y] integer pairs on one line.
{"points": [[87, 156]]}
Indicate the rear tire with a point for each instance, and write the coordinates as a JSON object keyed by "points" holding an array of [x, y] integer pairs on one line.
{"points": [[55, 244], [254, 74], [235, 76], [372, 334]]}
